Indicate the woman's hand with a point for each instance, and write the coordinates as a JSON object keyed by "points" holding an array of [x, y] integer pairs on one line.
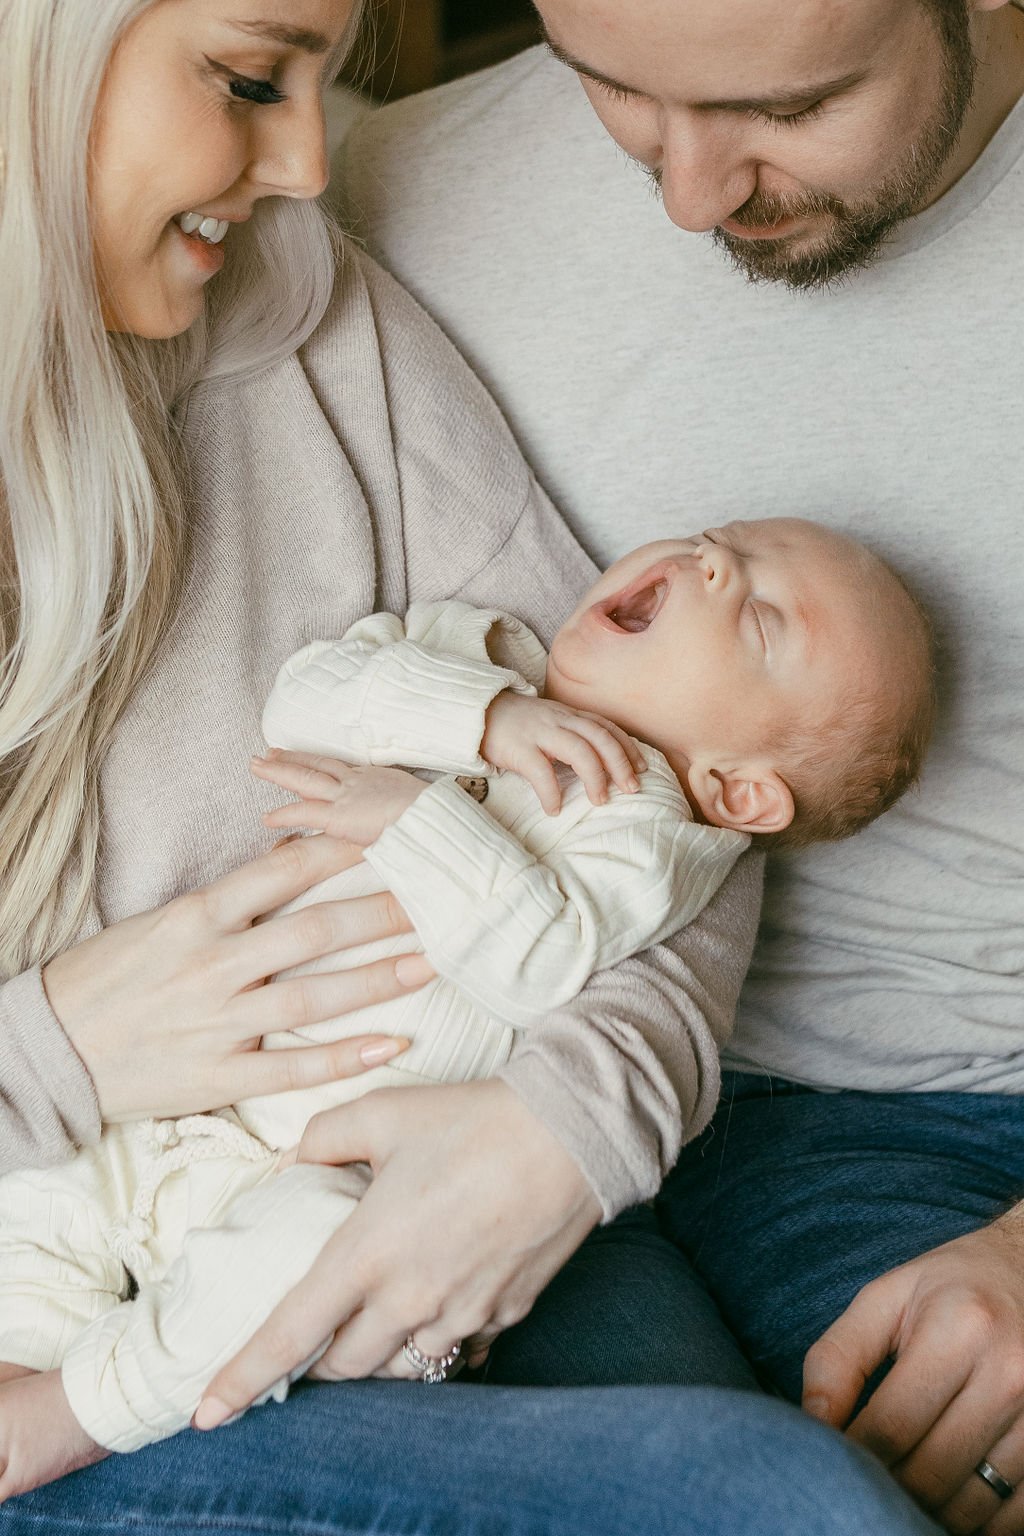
{"points": [[528, 736], [953, 1321], [167, 1009], [474, 1206]]}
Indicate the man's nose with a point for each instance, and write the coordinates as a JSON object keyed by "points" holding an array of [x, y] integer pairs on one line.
{"points": [[705, 173]]}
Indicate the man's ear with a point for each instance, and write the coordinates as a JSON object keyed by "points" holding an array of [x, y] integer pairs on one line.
{"points": [[746, 798]]}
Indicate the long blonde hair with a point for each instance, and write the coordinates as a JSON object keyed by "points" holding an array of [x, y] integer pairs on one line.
{"points": [[92, 486]]}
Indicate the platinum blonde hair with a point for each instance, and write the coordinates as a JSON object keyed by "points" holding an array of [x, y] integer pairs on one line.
{"points": [[93, 489]]}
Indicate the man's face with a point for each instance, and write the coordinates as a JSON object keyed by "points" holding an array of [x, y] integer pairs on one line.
{"points": [[798, 131]]}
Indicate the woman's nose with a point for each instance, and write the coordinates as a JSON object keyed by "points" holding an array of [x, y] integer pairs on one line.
{"points": [[292, 159]]}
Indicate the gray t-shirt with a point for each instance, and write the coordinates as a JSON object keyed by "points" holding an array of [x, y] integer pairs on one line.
{"points": [[656, 392]]}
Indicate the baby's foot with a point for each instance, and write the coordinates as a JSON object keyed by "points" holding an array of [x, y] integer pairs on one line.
{"points": [[40, 1438]]}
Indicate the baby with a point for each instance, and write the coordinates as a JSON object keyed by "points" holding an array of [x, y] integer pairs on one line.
{"points": [[767, 681]]}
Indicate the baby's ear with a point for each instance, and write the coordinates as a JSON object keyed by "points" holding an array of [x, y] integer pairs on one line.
{"points": [[746, 798]]}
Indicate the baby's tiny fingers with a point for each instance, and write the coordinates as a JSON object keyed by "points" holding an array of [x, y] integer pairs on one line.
{"points": [[318, 761], [632, 748], [587, 764], [309, 783], [538, 771], [314, 814]]}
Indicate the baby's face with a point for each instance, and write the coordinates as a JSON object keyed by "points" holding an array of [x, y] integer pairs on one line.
{"points": [[707, 646]]}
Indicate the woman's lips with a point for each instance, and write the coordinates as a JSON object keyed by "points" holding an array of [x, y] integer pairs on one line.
{"points": [[209, 258]]}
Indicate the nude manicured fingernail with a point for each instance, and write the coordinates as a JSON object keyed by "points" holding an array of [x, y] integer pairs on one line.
{"points": [[383, 1050], [211, 1413], [413, 970]]}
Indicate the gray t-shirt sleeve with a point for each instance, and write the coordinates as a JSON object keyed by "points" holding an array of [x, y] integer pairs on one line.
{"points": [[48, 1106]]}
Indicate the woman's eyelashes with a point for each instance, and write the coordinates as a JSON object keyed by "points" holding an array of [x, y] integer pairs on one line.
{"points": [[260, 92], [246, 88]]}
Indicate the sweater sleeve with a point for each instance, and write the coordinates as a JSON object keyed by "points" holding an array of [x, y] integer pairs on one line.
{"points": [[522, 932], [48, 1106], [628, 1069]]}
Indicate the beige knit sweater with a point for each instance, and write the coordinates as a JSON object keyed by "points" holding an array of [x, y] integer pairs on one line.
{"points": [[369, 472]]}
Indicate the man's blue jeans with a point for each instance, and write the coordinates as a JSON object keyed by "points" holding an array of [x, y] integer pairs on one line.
{"points": [[793, 1200]]}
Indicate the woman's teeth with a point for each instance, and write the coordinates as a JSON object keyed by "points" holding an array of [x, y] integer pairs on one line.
{"points": [[210, 230]]}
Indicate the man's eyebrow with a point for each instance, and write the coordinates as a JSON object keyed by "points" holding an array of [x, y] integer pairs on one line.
{"points": [[793, 96], [768, 101], [580, 68], [302, 38]]}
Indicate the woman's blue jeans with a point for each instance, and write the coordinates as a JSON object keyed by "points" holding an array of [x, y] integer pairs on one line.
{"points": [[400, 1459]]}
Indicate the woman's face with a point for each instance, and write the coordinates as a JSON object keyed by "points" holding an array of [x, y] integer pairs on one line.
{"points": [[207, 106]]}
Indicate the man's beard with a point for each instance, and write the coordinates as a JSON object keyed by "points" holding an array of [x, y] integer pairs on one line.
{"points": [[855, 233]]}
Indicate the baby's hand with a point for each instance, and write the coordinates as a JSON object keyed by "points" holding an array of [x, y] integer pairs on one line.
{"points": [[351, 803], [528, 735]]}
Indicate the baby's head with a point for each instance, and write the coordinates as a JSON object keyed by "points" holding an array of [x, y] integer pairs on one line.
{"points": [[785, 672]]}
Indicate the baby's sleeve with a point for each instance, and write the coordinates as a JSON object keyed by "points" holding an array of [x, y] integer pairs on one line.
{"points": [[522, 933], [383, 695]]}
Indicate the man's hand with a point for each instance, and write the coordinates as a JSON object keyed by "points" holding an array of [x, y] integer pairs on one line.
{"points": [[332, 795], [474, 1206], [528, 736], [953, 1322]]}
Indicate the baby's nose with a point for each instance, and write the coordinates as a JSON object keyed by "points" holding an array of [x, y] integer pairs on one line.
{"points": [[715, 566]]}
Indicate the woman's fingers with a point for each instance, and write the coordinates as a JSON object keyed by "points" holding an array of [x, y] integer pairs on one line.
{"points": [[321, 928], [236, 900], [291, 1334], [256, 1073], [299, 1001], [442, 1244]]}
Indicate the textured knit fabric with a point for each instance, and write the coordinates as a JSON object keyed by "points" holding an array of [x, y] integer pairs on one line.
{"points": [[656, 392], [514, 908], [371, 472], [196, 1213]]}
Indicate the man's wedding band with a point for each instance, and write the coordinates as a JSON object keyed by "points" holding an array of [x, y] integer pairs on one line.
{"points": [[996, 1481], [432, 1368]]}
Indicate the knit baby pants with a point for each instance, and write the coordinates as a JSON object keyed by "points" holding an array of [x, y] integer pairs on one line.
{"points": [[143, 1265]]}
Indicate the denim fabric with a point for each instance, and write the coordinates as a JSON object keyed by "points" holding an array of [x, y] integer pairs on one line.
{"points": [[627, 1310], [793, 1200], [400, 1459]]}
